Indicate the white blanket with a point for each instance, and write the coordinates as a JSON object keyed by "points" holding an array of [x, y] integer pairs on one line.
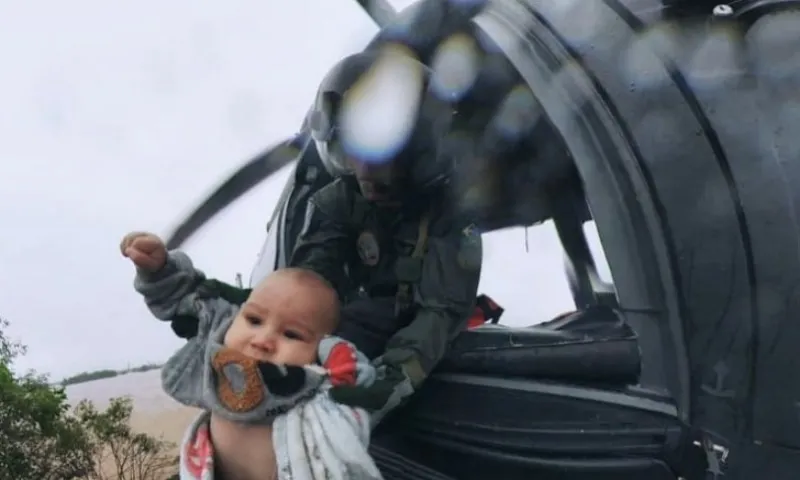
{"points": [[323, 440], [317, 440]]}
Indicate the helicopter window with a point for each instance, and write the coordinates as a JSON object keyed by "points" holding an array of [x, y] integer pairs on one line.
{"points": [[524, 272], [593, 238]]}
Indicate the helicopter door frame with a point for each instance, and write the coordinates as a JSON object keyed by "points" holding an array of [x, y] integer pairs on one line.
{"points": [[273, 252]]}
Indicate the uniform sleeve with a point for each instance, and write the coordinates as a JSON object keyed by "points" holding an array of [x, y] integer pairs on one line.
{"points": [[444, 300], [322, 242]]}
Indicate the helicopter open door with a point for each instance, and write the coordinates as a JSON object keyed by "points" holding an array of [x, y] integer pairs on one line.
{"points": [[286, 221], [697, 209], [562, 397], [582, 369], [273, 255]]}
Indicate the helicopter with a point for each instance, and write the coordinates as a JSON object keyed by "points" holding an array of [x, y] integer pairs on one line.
{"points": [[687, 162]]}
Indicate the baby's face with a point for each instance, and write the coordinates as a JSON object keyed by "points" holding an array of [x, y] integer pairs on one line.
{"points": [[281, 322]]}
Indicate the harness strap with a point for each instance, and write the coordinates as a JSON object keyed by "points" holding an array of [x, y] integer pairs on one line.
{"points": [[404, 287]]}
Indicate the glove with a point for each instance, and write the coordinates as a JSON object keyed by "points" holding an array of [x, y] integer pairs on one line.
{"points": [[390, 389], [344, 363], [185, 326], [215, 289]]}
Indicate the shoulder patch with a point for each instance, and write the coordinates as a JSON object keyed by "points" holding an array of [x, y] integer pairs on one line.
{"points": [[471, 233], [368, 249], [470, 254]]}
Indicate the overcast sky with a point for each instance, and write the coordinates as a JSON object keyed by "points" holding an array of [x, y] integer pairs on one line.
{"points": [[119, 116]]}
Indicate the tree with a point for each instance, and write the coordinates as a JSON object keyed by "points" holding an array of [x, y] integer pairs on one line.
{"points": [[41, 439], [119, 452], [38, 439]]}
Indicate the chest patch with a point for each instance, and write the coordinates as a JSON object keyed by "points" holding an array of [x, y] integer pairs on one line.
{"points": [[368, 249]]}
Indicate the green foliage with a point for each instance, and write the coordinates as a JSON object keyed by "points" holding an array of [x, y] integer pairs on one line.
{"points": [[119, 452], [9, 350], [40, 439]]}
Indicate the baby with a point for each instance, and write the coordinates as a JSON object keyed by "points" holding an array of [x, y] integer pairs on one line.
{"points": [[248, 366]]}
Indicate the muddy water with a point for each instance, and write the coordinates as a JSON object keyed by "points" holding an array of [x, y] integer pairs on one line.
{"points": [[154, 412]]}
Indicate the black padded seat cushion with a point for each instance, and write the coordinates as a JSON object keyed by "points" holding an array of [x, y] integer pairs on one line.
{"points": [[590, 345]]}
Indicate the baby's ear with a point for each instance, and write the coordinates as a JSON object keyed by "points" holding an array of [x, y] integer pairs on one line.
{"points": [[282, 380]]}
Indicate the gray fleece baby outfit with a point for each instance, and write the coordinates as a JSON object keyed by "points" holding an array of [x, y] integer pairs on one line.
{"points": [[205, 374], [314, 437]]}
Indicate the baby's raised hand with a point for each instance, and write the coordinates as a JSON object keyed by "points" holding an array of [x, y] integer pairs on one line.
{"points": [[145, 250]]}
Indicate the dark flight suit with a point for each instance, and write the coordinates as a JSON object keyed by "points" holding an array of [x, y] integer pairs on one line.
{"points": [[404, 304]]}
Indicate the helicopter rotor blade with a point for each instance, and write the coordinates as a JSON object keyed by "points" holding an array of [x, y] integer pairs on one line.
{"points": [[381, 11], [261, 167], [243, 180]]}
